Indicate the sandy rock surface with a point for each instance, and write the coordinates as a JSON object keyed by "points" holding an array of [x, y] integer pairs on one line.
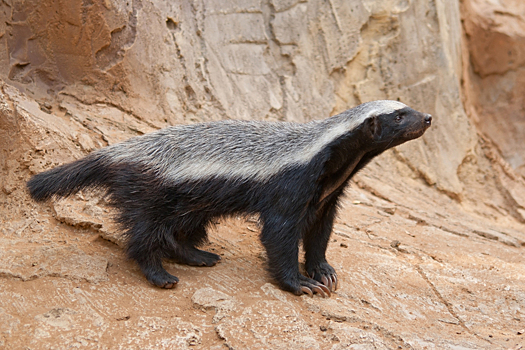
{"points": [[495, 37], [428, 245]]}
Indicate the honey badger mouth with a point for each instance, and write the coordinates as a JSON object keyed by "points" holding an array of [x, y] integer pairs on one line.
{"points": [[414, 134], [419, 129]]}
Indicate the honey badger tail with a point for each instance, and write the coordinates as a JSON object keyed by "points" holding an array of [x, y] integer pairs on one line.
{"points": [[70, 178]]}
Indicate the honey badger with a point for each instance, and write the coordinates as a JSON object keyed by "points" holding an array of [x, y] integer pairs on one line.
{"points": [[170, 185]]}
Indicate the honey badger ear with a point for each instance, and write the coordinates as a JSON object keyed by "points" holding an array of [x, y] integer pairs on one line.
{"points": [[373, 126]]}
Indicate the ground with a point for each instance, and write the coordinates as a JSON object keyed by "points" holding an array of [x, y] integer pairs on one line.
{"points": [[415, 271]]}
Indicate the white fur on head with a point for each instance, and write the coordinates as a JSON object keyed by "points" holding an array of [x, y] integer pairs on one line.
{"points": [[352, 119], [382, 107]]}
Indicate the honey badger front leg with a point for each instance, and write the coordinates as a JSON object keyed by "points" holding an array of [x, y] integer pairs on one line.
{"points": [[315, 243], [280, 236]]}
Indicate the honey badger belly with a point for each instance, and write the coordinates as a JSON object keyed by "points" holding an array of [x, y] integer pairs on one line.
{"points": [[168, 186]]}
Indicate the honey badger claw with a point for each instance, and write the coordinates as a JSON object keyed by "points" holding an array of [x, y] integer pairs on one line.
{"points": [[311, 287], [323, 273], [307, 290], [319, 290], [327, 282]]}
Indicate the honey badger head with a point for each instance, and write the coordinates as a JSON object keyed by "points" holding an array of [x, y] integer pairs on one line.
{"points": [[391, 123]]}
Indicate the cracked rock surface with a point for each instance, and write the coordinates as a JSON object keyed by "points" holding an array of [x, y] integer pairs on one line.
{"points": [[428, 244]]}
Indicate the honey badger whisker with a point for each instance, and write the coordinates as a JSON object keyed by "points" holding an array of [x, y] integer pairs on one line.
{"points": [[170, 185], [393, 138]]}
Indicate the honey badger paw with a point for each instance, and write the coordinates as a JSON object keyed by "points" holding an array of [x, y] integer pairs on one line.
{"points": [[206, 258], [162, 279], [195, 257], [323, 273], [304, 285]]}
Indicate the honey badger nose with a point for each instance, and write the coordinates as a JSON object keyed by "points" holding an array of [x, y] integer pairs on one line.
{"points": [[428, 118]]}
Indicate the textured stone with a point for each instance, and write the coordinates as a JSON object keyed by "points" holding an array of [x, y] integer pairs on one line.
{"points": [[209, 298], [495, 82], [29, 262]]}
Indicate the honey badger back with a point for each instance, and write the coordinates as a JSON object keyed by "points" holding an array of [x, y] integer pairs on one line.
{"points": [[169, 185]]}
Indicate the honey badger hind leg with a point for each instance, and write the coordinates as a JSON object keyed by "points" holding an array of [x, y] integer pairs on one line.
{"points": [[189, 255], [148, 244], [156, 274], [185, 252], [315, 242], [280, 236]]}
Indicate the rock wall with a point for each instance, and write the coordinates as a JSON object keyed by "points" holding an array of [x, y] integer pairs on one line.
{"points": [[120, 69], [493, 82], [165, 63], [495, 73]]}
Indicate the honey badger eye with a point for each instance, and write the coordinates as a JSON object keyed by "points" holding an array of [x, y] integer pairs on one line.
{"points": [[399, 118]]}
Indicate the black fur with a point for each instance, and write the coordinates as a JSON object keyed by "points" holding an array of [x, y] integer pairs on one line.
{"points": [[168, 220]]}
